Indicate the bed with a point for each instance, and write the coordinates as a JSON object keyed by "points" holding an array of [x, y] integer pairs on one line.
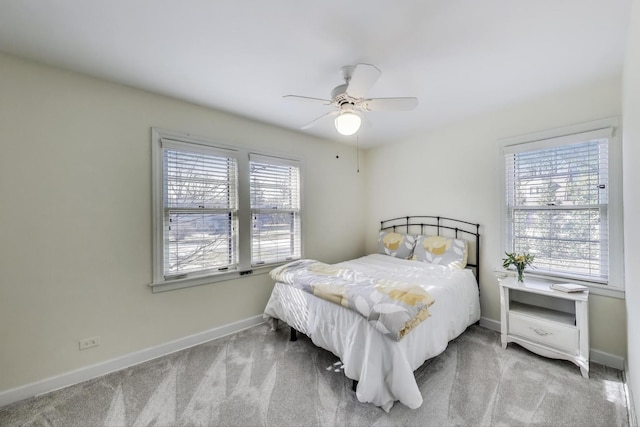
{"points": [[437, 254]]}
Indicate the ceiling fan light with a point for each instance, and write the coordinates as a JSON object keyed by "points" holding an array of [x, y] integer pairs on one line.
{"points": [[347, 123]]}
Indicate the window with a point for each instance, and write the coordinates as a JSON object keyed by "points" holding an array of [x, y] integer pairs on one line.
{"points": [[200, 210], [275, 210], [220, 212], [557, 205]]}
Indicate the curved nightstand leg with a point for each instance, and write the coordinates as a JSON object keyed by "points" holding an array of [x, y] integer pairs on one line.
{"points": [[584, 372]]}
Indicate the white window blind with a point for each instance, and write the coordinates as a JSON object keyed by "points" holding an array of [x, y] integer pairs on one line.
{"points": [[200, 210], [557, 196], [275, 210]]}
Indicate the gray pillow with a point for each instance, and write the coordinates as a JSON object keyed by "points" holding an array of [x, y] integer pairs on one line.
{"points": [[399, 245], [441, 250]]}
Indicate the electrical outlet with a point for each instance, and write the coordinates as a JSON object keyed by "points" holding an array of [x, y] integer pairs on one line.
{"points": [[89, 342]]}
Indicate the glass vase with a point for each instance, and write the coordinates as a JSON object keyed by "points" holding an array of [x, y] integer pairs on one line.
{"points": [[520, 275]]}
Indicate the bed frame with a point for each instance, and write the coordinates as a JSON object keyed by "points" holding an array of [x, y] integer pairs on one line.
{"points": [[441, 226]]}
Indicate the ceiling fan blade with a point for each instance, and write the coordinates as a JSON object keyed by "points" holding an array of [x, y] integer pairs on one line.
{"points": [[363, 77], [319, 119], [382, 104], [307, 99]]}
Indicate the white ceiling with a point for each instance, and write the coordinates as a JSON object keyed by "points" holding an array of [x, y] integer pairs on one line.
{"points": [[459, 57]]}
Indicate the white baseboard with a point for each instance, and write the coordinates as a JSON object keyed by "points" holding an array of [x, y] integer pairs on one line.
{"points": [[607, 359], [494, 325], [595, 355], [89, 372], [633, 420]]}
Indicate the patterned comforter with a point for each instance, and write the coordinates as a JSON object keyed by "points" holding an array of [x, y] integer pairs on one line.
{"points": [[393, 308]]}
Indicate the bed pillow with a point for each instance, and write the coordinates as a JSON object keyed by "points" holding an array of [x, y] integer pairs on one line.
{"points": [[441, 250], [399, 245]]}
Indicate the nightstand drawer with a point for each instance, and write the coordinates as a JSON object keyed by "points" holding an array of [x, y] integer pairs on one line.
{"points": [[553, 334]]}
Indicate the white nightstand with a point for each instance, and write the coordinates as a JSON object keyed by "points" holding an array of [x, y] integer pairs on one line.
{"points": [[550, 323]]}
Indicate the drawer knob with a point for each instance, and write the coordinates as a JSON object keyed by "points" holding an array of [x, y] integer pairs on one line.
{"points": [[540, 332]]}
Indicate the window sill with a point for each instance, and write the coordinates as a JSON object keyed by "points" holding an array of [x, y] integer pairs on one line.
{"points": [[173, 284], [594, 288]]}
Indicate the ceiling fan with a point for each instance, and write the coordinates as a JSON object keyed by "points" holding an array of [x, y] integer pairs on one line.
{"points": [[349, 100]]}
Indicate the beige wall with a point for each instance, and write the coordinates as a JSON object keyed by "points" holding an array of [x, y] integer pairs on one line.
{"points": [[631, 150], [75, 191], [455, 171]]}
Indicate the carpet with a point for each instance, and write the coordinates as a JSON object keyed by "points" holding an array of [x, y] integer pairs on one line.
{"points": [[257, 377]]}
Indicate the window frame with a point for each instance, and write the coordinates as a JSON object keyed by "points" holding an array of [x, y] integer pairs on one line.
{"points": [[161, 283], [294, 211], [571, 134], [231, 210]]}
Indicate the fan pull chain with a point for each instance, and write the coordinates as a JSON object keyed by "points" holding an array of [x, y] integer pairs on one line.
{"points": [[357, 154]]}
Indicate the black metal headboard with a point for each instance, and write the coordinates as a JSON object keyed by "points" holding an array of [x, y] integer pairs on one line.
{"points": [[441, 226]]}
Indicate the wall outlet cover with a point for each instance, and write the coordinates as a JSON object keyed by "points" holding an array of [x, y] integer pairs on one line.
{"points": [[89, 342]]}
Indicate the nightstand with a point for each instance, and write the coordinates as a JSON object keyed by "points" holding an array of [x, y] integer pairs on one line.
{"points": [[547, 322]]}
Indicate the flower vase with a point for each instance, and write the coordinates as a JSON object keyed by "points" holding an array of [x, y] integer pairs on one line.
{"points": [[520, 276]]}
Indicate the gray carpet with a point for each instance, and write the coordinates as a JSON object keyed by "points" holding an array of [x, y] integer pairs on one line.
{"points": [[258, 378]]}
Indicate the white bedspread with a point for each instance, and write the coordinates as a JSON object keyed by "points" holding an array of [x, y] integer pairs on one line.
{"points": [[383, 367]]}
